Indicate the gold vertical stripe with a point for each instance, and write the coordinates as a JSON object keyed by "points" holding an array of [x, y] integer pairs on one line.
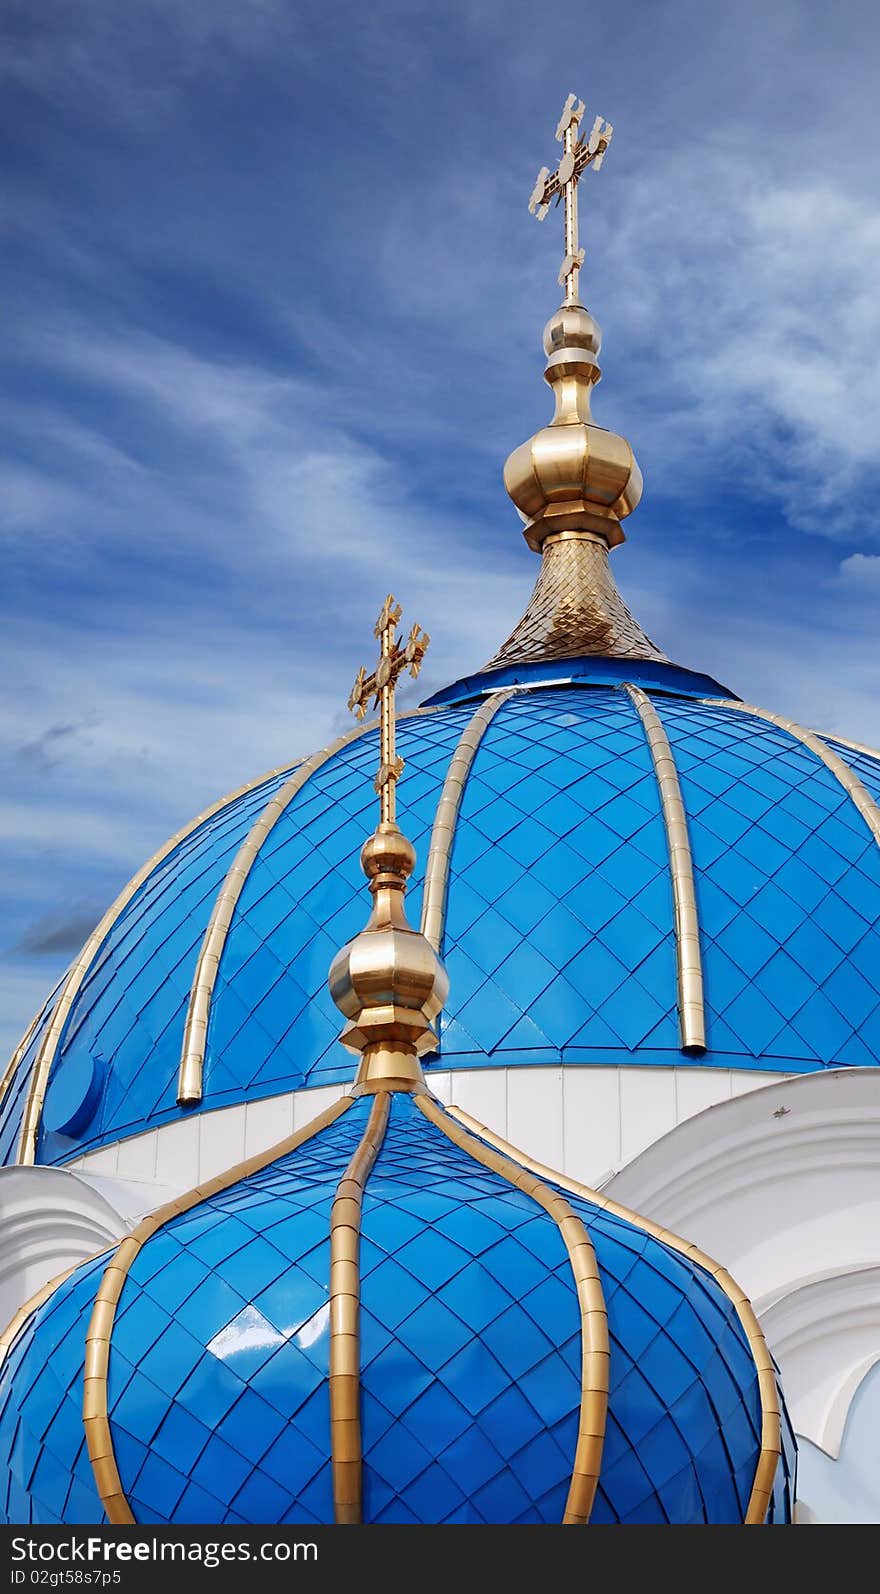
{"points": [[849, 780], [446, 818], [691, 1013], [195, 1034], [96, 1419], [595, 1349], [27, 1148], [38, 1299], [854, 747], [771, 1442], [345, 1302], [12, 1066]]}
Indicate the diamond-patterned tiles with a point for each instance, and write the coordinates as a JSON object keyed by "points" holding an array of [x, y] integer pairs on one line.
{"points": [[788, 891], [273, 1025], [131, 1006], [559, 922], [471, 1345], [45, 1472], [559, 938], [470, 1358], [218, 1369], [471, 1362], [13, 1104]]}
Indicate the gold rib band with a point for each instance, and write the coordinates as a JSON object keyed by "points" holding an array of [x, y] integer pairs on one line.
{"points": [[771, 1441], [854, 747], [345, 1302], [195, 1034], [446, 818], [691, 1014], [39, 1298], [12, 1066], [96, 1419], [27, 1148], [595, 1349], [849, 780]]}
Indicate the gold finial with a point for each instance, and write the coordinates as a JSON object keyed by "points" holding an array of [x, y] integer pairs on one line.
{"points": [[579, 152], [388, 982], [395, 657], [573, 482]]}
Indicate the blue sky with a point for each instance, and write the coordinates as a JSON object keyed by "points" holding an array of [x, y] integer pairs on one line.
{"points": [[272, 312]]}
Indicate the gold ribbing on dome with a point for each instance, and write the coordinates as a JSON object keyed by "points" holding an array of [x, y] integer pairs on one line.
{"points": [[346, 1447], [689, 964], [574, 481], [95, 1408], [446, 817], [78, 972], [849, 780], [388, 982], [595, 1344], [771, 1432]]}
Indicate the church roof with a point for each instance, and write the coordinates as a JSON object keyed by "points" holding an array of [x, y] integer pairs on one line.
{"points": [[488, 1303], [559, 928]]}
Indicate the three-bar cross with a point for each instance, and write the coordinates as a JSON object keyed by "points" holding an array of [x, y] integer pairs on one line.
{"points": [[395, 657]]}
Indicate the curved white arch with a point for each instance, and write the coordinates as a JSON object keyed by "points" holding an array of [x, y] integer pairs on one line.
{"points": [[50, 1219], [826, 1335], [784, 1185]]}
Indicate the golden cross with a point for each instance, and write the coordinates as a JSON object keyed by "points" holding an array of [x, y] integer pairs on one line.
{"points": [[395, 657], [578, 154]]}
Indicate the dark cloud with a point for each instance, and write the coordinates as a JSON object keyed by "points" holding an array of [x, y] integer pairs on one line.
{"points": [[47, 749], [59, 932]]}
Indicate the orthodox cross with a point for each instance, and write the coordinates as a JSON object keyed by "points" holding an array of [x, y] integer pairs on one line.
{"points": [[579, 152], [395, 657]]}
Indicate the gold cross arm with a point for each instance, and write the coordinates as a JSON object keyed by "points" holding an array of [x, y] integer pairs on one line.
{"points": [[580, 151], [396, 656]]}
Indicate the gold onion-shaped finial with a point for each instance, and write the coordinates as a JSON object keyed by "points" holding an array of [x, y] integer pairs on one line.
{"points": [[573, 481], [388, 982]]}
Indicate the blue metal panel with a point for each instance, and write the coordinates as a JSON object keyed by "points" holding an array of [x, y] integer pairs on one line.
{"points": [[130, 1008], [788, 891], [45, 1472], [273, 1025], [559, 932], [470, 1356], [559, 923], [471, 1367], [13, 1104], [651, 674], [218, 1368]]}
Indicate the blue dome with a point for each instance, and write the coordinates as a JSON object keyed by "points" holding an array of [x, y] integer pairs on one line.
{"points": [[482, 1374], [559, 932]]}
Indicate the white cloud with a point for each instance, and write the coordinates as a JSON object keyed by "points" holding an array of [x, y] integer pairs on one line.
{"points": [[861, 573]]}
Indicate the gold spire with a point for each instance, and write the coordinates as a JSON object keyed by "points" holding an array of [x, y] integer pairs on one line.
{"points": [[574, 481], [388, 982]]}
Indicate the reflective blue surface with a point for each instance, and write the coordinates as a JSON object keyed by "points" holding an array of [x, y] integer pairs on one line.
{"points": [[470, 1357], [13, 1104], [559, 936], [45, 1472], [651, 674]]}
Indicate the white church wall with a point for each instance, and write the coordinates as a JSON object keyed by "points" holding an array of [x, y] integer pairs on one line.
{"points": [[587, 1122]]}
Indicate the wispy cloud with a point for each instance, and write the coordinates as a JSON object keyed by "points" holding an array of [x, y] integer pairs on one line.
{"points": [[273, 312]]}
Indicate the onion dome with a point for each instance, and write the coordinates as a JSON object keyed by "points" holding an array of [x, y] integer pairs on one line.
{"points": [[391, 1319]]}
